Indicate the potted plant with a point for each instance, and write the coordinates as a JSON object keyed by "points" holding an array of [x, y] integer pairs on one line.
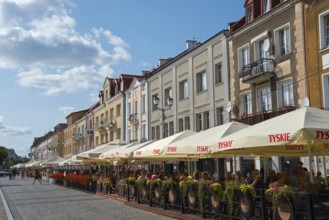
{"points": [[217, 192], [282, 200], [247, 198], [228, 196]]}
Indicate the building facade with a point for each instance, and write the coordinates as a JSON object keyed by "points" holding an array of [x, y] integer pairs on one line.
{"points": [[70, 146], [136, 111], [192, 89], [317, 52]]}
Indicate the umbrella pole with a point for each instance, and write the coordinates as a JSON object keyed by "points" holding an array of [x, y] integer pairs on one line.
{"points": [[325, 169], [310, 161], [234, 162]]}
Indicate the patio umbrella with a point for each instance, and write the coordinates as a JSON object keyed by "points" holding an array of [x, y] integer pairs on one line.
{"points": [[94, 153], [156, 148], [199, 144], [303, 132], [54, 161], [110, 154]]}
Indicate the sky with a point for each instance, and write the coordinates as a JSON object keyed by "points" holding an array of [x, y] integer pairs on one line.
{"points": [[55, 54]]}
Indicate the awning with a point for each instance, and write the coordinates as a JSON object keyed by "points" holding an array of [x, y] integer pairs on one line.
{"points": [[33, 163], [112, 153], [157, 147], [199, 144], [54, 161], [94, 153], [298, 133]]}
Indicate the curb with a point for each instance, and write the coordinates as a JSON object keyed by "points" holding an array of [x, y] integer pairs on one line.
{"points": [[6, 207]]}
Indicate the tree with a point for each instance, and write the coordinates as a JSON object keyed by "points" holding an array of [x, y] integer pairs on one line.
{"points": [[3, 154]]}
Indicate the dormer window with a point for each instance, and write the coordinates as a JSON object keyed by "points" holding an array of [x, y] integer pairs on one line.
{"points": [[266, 6], [249, 14]]}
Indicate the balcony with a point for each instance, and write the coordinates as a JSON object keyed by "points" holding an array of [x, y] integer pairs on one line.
{"points": [[133, 119], [258, 71], [258, 117], [101, 125]]}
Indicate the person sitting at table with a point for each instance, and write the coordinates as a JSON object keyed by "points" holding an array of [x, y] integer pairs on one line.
{"points": [[256, 180]]}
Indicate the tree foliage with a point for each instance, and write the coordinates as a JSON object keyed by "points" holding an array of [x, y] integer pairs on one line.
{"points": [[3, 154]]}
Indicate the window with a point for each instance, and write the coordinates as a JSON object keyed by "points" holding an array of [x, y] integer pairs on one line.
{"points": [[153, 133], [107, 94], [165, 132], [218, 73], [136, 107], [282, 40], [129, 109], [144, 131], [325, 86], [263, 54], [129, 135], [243, 57], [266, 6], [246, 104], [249, 14], [219, 114], [171, 128], [168, 94], [118, 110], [206, 120], [119, 133], [201, 80], [183, 90], [198, 118], [265, 99], [180, 125], [143, 104], [324, 29], [157, 132], [154, 107], [285, 93], [187, 123]]}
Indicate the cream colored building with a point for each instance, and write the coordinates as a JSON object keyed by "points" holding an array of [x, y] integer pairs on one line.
{"points": [[109, 117], [136, 111], [197, 82], [79, 137], [70, 145]]}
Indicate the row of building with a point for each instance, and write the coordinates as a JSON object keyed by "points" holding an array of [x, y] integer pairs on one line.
{"points": [[273, 60]]}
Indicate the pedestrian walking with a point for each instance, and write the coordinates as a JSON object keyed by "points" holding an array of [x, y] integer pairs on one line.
{"points": [[14, 173], [37, 176]]}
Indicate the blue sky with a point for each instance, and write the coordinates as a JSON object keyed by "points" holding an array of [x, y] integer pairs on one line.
{"points": [[55, 54]]}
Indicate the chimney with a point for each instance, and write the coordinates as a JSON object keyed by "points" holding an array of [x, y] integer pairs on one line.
{"points": [[145, 72], [163, 61], [190, 44]]}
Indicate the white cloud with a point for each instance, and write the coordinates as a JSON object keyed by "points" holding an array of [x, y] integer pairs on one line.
{"points": [[40, 40], [14, 131], [145, 64], [7, 130], [66, 110]]}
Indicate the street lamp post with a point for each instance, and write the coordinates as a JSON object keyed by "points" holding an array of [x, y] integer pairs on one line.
{"points": [[156, 101]]}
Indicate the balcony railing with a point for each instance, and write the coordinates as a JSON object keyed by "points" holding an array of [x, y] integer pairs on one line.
{"points": [[133, 118], [258, 71], [252, 119]]}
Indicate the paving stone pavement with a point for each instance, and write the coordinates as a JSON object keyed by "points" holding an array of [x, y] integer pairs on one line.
{"points": [[49, 202]]}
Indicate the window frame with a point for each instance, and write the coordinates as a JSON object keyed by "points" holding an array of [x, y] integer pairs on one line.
{"points": [[246, 106], [183, 89], [269, 105], [280, 93], [201, 81], [324, 30], [167, 94], [325, 90], [241, 58], [280, 45], [218, 73]]}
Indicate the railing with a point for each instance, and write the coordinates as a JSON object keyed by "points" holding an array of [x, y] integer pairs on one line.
{"points": [[252, 119], [257, 68]]}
